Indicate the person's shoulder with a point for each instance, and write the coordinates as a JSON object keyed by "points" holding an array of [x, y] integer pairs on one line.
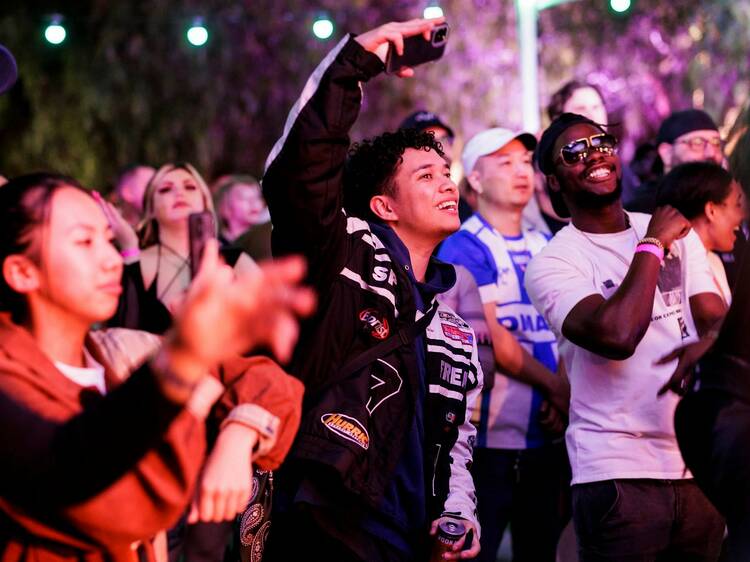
{"points": [[564, 239]]}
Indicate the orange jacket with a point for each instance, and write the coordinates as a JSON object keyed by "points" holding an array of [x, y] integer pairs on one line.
{"points": [[151, 492]]}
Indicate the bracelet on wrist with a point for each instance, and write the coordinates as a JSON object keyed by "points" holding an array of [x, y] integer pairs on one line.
{"points": [[652, 249], [652, 240], [130, 252]]}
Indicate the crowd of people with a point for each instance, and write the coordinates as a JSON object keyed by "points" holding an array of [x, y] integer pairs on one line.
{"points": [[373, 363]]}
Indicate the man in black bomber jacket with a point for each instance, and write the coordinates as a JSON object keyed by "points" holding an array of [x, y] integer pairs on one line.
{"points": [[383, 455]]}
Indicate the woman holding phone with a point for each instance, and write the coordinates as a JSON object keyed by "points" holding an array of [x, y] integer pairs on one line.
{"points": [[157, 270], [101, 449]]}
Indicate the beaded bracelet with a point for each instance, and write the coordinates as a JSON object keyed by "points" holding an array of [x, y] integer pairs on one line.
{"points": [[650, 240]]}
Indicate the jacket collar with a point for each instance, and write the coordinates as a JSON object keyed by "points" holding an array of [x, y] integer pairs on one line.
{"points": [[439, 276]]}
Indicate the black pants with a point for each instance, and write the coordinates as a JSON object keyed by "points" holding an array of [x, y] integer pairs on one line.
{"points": [[523, 488], [645, 521], [713, 430]]}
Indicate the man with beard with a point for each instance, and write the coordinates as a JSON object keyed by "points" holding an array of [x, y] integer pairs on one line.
{"points": [[620, 290]]}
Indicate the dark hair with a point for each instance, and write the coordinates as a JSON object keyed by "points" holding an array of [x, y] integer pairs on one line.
{"points": [[688, 187], [739, 161], [373, 163], [560, 97], [24, 208]]}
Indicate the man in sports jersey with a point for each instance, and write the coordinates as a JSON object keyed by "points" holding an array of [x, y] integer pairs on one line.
{"points": [[518, 467], [620, 290]]}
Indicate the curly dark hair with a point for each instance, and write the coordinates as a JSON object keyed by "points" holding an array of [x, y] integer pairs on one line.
{"points": [[373, 163]]}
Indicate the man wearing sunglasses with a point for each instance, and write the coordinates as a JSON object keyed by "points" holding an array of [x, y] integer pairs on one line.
{"points": [[621, 290], [685, 136]]}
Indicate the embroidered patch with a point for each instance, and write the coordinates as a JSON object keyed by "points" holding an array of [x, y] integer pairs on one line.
{"points": [[453, 319], [348, 428], [455, 334], [377, 325]]}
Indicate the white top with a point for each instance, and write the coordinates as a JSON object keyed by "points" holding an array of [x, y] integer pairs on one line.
{"points": [[90, 375], [618, 427], [720, 277]]}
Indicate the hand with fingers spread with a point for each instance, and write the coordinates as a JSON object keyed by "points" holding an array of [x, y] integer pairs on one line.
{"points": [[456, 552], [226, 483], [225, 314], [377, 40], [667, 225], [127, 239], [687, 357]]}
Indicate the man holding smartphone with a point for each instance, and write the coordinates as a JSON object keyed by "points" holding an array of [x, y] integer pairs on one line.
{"points": [[384, 449]]}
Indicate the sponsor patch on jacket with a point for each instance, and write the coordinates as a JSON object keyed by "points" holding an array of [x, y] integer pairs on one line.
{"points": [[375, 323], [348, 428], [456, 334], [453, 319]]}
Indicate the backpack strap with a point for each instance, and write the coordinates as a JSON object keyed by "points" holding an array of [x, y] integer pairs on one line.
{"points": [[403, 336]]}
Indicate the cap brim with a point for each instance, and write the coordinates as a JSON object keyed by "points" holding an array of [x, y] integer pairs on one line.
{"points": [[8, 70]]}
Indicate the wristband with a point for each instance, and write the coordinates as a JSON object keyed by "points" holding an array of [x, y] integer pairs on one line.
{"points": [[651, 249], [129, 252]]}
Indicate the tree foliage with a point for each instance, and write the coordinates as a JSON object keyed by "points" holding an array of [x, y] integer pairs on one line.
{"points": [[126, 87]]}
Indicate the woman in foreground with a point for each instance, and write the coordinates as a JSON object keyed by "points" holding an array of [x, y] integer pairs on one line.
{"points": [[97, 460]]}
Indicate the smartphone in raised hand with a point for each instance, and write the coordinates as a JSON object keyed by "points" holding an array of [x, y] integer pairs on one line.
{"points": [[418, 50], [201, 229]]}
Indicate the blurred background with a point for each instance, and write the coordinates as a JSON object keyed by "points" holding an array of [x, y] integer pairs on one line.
{"points": [[104, 83]]}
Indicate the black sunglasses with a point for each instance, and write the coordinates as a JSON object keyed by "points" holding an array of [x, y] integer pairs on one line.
{"points": [[578, 150]]}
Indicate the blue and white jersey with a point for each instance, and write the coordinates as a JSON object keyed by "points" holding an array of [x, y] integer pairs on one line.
{"points": [[509, 411]]}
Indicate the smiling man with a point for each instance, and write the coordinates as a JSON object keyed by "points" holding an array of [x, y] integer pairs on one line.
{"points": [[621, 290], [384, 448]]}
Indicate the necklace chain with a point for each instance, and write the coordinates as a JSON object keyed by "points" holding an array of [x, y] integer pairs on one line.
{"points": [[630, 226]]}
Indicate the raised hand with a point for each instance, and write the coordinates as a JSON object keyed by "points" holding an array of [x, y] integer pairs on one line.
{"points": [[124, 234], [226, 313], [377, 40], [667, 225]]}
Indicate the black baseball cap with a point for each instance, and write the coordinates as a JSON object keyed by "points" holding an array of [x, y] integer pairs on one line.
{"points": [[683, 122], [545, 158], [8, 70], [421, 120]]}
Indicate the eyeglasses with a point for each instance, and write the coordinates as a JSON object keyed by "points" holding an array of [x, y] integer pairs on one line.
{"points": [[578, 150], [699, 143]]}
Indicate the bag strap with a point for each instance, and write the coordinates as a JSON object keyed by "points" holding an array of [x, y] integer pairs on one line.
{"points": [[404, 336]]}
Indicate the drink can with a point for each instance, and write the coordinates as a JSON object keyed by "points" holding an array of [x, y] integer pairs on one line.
{"points": [[449, 533]]}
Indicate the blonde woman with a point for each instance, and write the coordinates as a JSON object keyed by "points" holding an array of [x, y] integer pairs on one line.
{"points": [[157, 270]]}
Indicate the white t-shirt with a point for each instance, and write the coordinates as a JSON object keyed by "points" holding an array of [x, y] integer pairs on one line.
{"points": [[90, 375], [618, 427]]}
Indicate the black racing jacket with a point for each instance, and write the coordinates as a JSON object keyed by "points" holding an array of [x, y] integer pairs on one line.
{"points": [[356, 428]]}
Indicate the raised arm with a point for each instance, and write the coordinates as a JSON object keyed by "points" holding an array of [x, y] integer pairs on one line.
{"points": [[614, 327], [303, 182]]}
